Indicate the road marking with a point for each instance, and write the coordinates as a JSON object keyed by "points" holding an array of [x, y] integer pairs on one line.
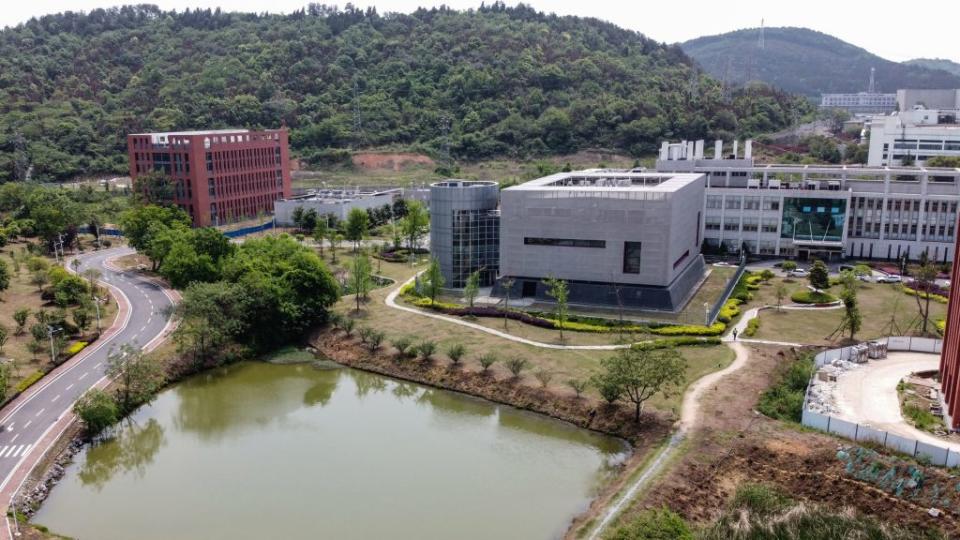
{"points": [[40, 412], [82, 376], [16, 453], [71, 385], [6, 451], [55, 398], [98, 364], [10, 427], [27, 424], [14, 437], [143, 328]]}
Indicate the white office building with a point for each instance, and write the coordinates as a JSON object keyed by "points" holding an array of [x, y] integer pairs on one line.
{"points": [[821, 211], [914, 136], [860, 102]]}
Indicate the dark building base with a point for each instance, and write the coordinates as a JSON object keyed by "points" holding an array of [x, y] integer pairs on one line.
{"points": [[671, 298]]}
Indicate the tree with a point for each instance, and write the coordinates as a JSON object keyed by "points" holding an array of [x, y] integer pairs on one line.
{"points": [[415, 224], [140, 222], [788, 266], [426, 348], [639, 374], [309, 220], [558, 290], [472, 287], [516, 365], [297, 217], [579, 386], [3, 337], [357, 226], [767, 274], [138, 377], [39, 278], [923, 281], [4, 380], [20, 317], [544, 376], [507, 284], [81, 317], [819, 276], [456, 352], [4, 275], [70, 290], [320, 234], [781, 294], [402, 344], [154, 187], [97, 409], [335, 239], [486, 361], [433, 280], [852, 319], [92, 276], [360, 277], [183, 265]]}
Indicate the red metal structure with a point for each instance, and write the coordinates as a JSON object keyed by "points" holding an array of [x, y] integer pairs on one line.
{"points": [[219, 176], [950, 358]]}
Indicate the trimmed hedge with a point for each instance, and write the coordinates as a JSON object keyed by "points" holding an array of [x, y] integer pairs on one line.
{"points": [[941, 326], [730, 310], [935, 297], [30, 380], [752, 326], [76, 347], [715, 329], [665, 343], [752, 282], [813, 297]]}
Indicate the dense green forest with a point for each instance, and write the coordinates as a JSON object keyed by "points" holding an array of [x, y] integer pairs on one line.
{"points": [[807, 62], [936, 63], [495, 81]]}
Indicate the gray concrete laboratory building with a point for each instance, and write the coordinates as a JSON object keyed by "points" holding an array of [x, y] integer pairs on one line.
{"points": [[465, 230], [617, 237]]}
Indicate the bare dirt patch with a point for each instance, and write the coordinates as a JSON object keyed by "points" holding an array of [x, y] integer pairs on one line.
{"points": [[390, 161]]}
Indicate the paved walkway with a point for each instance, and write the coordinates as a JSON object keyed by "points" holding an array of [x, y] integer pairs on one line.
{"points": [[868, 395]]}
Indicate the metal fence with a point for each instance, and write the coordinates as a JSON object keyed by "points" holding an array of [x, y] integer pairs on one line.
{"points": [[248, 230], [937, 455]]}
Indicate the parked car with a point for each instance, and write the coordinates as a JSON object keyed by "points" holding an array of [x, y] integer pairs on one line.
{"points": [[799, 272], [889, 278], [866, 278]]}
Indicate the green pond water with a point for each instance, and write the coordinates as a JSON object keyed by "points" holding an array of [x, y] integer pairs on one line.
{"points": [[260, 451]]}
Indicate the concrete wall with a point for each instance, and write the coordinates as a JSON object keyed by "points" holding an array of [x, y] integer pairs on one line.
{"points": [[446, 198], [931, 99]]}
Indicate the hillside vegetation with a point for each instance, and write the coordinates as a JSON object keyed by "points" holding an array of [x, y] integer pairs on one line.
{"points": [[807, 62], [490, 82], [936, 63]]}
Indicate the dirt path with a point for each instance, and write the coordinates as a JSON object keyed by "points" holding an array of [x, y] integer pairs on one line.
{"points": [[689, 418]]}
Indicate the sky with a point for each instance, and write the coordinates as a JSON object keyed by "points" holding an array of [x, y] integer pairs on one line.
{"points": [[860, 22]]}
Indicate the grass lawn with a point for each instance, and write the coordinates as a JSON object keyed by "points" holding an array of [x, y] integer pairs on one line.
{"points": [[563, 364], [878, 302], [22, 294]]}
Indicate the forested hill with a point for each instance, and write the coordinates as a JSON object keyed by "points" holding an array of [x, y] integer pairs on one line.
{"points": [[807, 62], [498, 81], [936, 63]]}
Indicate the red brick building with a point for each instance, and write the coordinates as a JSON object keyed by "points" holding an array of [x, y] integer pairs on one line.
{"points": [[950, 358], [219, 176]]}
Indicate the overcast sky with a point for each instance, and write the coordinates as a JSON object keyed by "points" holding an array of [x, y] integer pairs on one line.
{"points": [[864, 23]]}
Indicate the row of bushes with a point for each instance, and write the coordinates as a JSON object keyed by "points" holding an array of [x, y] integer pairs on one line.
{"points": [[666, 343], [552, 324], [813, 297], [730, 310], [935, 297], [752, 326], [30, 380]]}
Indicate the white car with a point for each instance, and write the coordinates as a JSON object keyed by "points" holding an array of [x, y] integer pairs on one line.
{"points": [[799, 272], [889, 278]]}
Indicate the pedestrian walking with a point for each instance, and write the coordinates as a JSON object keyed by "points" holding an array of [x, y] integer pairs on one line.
{"points": [[734, 334]]}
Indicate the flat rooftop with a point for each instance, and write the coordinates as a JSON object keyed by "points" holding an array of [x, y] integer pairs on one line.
{"points": [[611, 180], [199, 132]]}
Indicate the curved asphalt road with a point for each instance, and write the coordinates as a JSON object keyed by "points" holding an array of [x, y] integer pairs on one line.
{"points": [[26, 421]]}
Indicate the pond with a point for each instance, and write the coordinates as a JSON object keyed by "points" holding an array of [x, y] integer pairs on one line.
{"points": [[257, 450]]}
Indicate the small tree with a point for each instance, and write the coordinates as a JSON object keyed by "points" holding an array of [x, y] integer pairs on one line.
{"points": [[3, 337], [320, 233], [364, 333], [852, 319], [402, 344], [472, 287], [544, 377], [374, 340], [426, 348], [75, 264], [639, 374], [507, 284], [361, 277], [97, 409], [819, 276], [81, 317], [348, 325], [35, 347], [579, 386], [558, 290], [20, 317], [767, 274], [4, 379], [357, 226], [456, 352], [924, 279], [788, 266], [415, 224], [434, 280], [516, 365], [39, 279], [486, 361], [138, 377], [781, 294]]}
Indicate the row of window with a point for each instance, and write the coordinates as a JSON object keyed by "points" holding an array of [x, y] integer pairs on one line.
{"points": [[565, 242], [716, 202]]}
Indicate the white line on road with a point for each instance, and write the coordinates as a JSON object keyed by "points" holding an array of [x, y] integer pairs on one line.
{"points": [[6, 451], [55, 398], [10, 427], [14, 437], [40, 412], [69, 387], [16, 453], [98, 364], [27, 424], [82, 376]]}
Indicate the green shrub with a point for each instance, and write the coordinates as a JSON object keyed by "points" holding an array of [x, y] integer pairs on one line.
{"points": [[941, 326], [813, 297], [97, 409], [730, 310], [30, 380], [666, 343], [935, 297], [76, 347], [784, 400], [660, 524], [752, 326], [715, 329], [760, 499], [752, 282], [921, 418]]}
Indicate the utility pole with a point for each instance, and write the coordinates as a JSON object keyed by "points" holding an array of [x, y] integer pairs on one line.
{"points": [[96, 304], [53, 349]]}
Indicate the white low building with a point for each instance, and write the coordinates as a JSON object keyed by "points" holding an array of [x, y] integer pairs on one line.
{"points": [[914, 136]]}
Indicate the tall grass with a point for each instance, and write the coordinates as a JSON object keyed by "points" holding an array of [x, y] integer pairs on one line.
{"points": [[784, 400]]}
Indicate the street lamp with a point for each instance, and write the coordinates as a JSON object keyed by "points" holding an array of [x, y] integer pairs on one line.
{"points": [[706, 314], [96, 304], [53, 349]]}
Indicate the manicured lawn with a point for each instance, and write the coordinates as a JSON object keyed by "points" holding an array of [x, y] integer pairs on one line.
{"points": [[879, 302]]}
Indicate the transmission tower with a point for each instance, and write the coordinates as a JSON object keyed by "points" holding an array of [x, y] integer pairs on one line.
{"points": [[761, 44]]}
